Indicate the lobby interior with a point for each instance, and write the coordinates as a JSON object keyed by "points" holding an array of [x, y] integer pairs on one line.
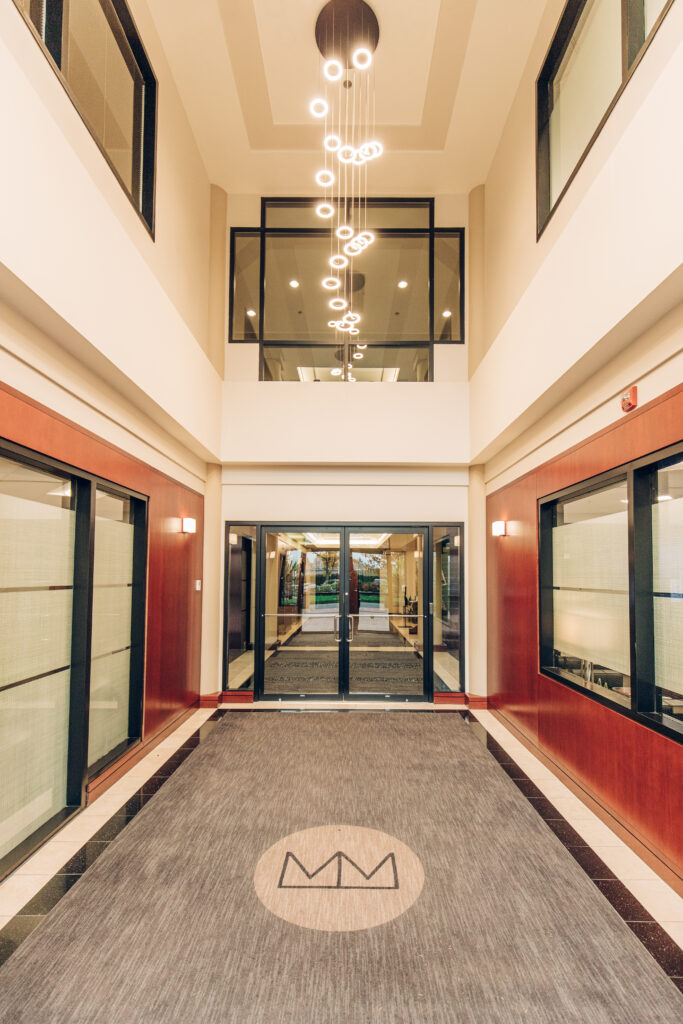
{"points": [[341, 492]]}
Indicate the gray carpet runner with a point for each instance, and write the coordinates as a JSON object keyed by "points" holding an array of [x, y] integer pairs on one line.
{"points": [[166, 926]]}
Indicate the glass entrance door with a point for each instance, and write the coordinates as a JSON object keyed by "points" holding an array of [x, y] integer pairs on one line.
{"points": [[386, 615], [302, 598], [342, 613]]}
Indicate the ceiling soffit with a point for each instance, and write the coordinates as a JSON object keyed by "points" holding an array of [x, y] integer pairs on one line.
{"points": [[418, 65]]}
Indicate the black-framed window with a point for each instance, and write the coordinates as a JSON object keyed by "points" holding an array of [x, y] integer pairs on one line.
{"points": [[72, 577], [408, 289], [96, 51], [594, 51], [611, 587]]}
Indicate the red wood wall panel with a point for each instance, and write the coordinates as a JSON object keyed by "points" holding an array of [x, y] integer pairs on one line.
{"points": [[630, 769], [174, 560]]}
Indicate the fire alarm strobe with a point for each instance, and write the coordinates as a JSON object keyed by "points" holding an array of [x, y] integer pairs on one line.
{"points": [[630, 400]]}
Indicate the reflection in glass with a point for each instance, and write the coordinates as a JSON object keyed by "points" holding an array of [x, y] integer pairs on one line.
{"points": [[590, 592], [653, 8], [110, 672], [667, 556], [386, 634], [380, 363], [301, 613], [583, 87], [246, 273], [446, 600], [106, 83], [241, 607], [37, 532], [447, 278]]}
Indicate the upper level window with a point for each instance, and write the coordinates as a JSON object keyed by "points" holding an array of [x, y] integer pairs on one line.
{"points": [[96, 50], [593, 53], [408, 290]]}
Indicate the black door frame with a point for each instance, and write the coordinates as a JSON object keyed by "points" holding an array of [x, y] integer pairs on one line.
{"points": [[344, 530]]}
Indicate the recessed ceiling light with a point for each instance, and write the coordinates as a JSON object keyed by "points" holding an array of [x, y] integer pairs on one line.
{"points": [[293, 283], [403, 284], [446, 313], [251, 312]]}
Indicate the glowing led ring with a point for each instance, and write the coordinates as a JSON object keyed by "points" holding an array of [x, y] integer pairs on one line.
{"points": [[318, 107], [338, 303], [338, 261], [362, 58], [358, 345], [332, 143], [355, 247], [331, 283], [354, 331], [353, 318], [325, 210], [359, 159], [344, 231], [346, 154], [331, 323], [325, 178], [333, 70], [368, 236]]}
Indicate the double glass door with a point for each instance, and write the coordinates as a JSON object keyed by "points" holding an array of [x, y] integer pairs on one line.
{"points": [[343, 613]]}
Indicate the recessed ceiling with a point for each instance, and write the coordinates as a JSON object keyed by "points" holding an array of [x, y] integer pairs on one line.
{"points": [[446, 72]]}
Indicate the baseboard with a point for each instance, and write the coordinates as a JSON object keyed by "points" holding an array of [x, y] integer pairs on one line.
{"points": [[209, 700], [450, 698], [115, 771], [476, 702], [236, 697], [657, 862]]}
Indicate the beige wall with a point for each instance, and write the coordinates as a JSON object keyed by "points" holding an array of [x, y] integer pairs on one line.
{"points": [[77, 246], [608, 265]]}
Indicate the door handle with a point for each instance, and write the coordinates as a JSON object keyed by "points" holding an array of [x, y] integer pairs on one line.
{"points": [[350, 618], [336, 629]]}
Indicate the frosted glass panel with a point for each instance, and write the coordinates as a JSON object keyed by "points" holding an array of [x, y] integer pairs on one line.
{"points": [[583, 87], [111, 625], [590, 600], [34, 724], [667, 585], [37, 532], [593, 627], [109, 699]]}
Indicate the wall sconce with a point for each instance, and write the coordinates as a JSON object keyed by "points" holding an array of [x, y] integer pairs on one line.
{"points": [[499, 528], [188, 525]]}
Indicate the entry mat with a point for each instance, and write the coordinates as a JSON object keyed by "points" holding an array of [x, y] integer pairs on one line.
{"points": [[336, 869]]}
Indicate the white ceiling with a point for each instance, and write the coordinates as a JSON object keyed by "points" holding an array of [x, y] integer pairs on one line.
{"points": [[446, 72]]}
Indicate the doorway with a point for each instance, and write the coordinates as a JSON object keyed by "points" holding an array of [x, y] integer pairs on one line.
{"points": [[340, 612]]}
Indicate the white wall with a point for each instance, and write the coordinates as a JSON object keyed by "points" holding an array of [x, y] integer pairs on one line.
{"points": [[299, 494], [609, 263], [71, 237]]}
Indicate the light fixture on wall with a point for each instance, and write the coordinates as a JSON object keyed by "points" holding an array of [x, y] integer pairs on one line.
{"points": [[188, 525], [499, 528], [346, 33]]}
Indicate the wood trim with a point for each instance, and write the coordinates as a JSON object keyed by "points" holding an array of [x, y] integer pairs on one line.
{"points": [[450, 698], [236, 697], [209, 700], [659, 865], [115, 771], [477, 702]]}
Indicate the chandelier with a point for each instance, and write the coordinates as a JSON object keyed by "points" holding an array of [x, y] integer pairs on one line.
{"points": [[347, 34]]}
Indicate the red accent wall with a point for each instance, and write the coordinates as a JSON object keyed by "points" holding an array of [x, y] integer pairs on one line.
{"points": [[174, 560], [630, 769]]}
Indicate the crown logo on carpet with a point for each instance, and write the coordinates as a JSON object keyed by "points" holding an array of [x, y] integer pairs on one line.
{"points": [[338, 872]]}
